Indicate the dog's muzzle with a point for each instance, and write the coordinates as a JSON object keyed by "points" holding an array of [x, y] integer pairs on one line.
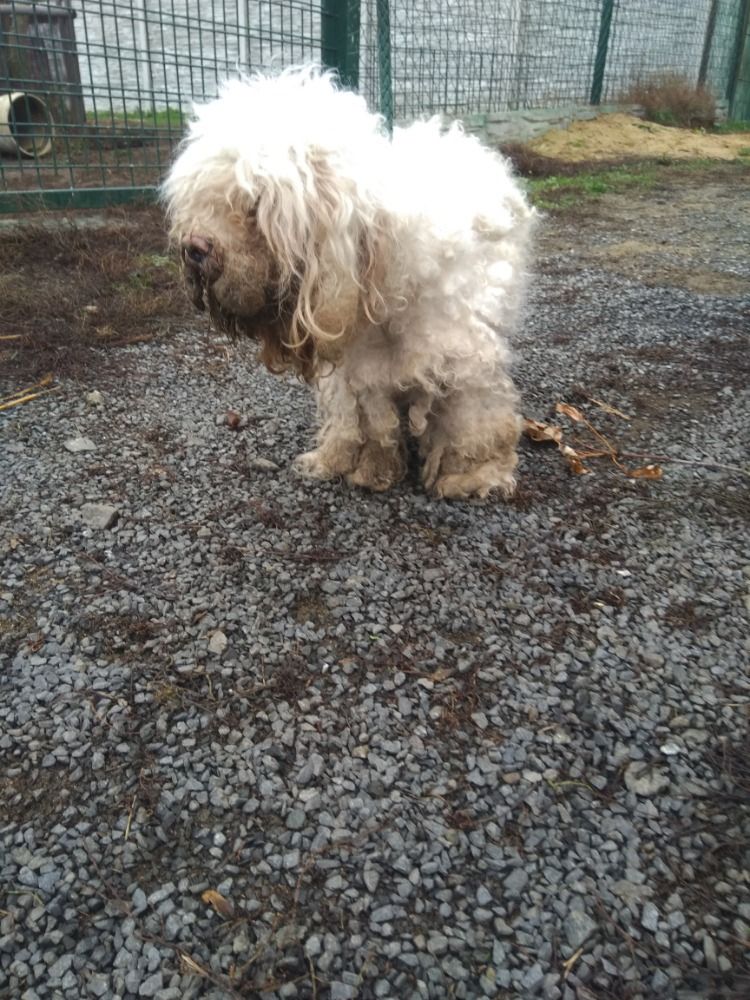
{"points": [[201, 267]]}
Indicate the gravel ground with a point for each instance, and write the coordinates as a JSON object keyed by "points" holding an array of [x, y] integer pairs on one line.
{"points": [[414, 749]]}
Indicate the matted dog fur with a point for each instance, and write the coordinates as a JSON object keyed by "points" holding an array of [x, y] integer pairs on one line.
{"points": [[387, 271]]}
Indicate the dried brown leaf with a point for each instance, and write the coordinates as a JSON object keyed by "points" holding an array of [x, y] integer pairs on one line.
{"points": [[574, 461], [647, 472], [221, 904], [538, 431], [570, 411]]}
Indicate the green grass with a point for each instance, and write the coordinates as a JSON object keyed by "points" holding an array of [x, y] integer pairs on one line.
{"points": [[731, 126], [169, 118], [563, 192], [557, 193]]}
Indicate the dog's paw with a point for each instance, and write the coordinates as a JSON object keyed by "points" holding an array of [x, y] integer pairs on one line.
{"points": [[368, 479], [311, 466], [379, 468], [477, 482]]}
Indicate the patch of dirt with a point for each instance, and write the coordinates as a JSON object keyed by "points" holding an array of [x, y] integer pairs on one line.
{"points": [[685, 231], [646, 261], [68, 287], [622, 136]]}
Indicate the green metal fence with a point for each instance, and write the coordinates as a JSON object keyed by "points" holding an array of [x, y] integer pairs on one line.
{"points": [[93, 93]]}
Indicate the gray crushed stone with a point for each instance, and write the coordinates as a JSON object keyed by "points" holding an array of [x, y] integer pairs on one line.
{"points": [[420, 760]]}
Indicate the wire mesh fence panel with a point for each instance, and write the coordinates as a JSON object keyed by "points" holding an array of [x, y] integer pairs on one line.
{"points": [[461, 58], [648, 41], [93, 93]]}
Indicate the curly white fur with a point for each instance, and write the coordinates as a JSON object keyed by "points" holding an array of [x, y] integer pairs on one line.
{"points": [[404, 261]]}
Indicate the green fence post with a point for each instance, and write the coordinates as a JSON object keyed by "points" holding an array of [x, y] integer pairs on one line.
{"points": [[339, 39], [605, 23], [708, 41], [385, 69], [738, 90]]}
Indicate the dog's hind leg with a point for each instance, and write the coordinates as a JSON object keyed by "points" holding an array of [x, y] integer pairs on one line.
{"points": [[469, 444]]}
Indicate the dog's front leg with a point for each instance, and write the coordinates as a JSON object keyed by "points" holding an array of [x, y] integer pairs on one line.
{"points": [[381, 462], [359, 436], [340, 438]]}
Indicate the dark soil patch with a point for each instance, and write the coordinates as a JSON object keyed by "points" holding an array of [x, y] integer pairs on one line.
{"points": [[69, 288]]}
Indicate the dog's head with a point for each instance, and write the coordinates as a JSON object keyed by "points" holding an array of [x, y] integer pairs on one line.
{"points": [[270, 205]]}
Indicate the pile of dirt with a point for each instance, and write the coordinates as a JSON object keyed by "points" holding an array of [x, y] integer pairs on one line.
{"points": [[623, 136]]}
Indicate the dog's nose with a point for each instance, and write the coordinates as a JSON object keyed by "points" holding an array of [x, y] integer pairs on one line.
{"points": [[195, 249]]}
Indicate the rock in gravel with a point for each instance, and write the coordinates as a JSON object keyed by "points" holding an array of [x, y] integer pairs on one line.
{"points": [[342, 991], [151, 985], [313, 946], [650, 917], [295, 819], [709, 951], [371, 878], [645, 779], [532, 979], [382, 914], [516, 882], [437, 944], [98, 515], [484, 898], [578, 927], [98, 985], [58, 969], [94, 398], [263, 465], [79, 443], [217, 642]]}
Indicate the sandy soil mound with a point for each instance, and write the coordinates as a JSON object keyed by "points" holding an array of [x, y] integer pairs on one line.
{"points": [[621, 135]]}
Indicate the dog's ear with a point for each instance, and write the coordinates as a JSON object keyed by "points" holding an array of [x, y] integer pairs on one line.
{"points": [[318, 229]]}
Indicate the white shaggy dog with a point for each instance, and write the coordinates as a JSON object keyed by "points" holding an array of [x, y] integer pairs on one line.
{"points": [[387, 272]]}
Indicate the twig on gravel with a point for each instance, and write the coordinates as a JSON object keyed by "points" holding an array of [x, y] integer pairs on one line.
{"points": [[27, 398], [602, 405], [570, 962], [686, 461], [130, 816], [41, 384], [313, 980], [191, 966]]}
